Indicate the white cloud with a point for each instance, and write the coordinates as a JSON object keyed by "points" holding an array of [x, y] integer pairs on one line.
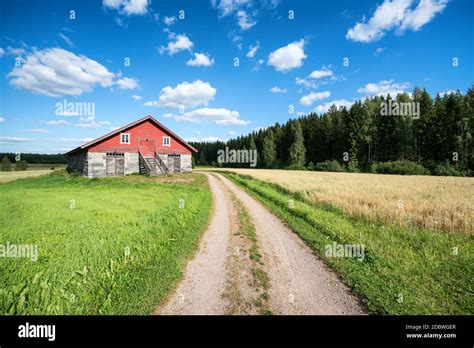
{"points": [[226, 7], [313, 96], [219, 116], [425, 11], [177, 44], [128, 7], [2, 119], [395, 15], [37, 131], [66, 113], [127, 83], [206, 140], [446, 93], [245, 22], [231, 133], [253, 50], [15, 51], [74, 141], [2, 52], [236, 39], [317, 74], [66, 39], [338, 103], [211, 139], [92, 124], [308, 83], [185, 95], [277, 90], [169, 20], [136, 97], [384, 88], [4, 140], [379, 50], [55, 72], [58, 123], [200, 59], [288, 57]]}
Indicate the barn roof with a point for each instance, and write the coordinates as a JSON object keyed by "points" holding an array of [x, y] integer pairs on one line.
{"points": [[117, 131]]}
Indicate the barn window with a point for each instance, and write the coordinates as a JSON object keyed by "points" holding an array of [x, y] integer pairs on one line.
{"points": [[166, 141], [124, 138]]}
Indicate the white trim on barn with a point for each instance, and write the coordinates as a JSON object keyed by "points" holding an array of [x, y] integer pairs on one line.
{"points": [[127, 141]]}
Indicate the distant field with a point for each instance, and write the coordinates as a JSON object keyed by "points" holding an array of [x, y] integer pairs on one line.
{"points": [[430, 202], [44, 166], [14, 175], [32, 171], [405, 270], [106, 246]]}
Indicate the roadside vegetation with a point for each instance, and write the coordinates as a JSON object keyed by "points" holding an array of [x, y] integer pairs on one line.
{"points": [[405, 270], [106, 245]]}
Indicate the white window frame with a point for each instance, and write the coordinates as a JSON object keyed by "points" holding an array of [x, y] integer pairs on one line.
{"points": [[121, 138], [169, 141]]}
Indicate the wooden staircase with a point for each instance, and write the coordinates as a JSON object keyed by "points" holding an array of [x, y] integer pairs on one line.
{"points": [[152, 166]]}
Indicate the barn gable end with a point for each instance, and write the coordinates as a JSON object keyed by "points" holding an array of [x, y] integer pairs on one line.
{"points": [[144, 146]]}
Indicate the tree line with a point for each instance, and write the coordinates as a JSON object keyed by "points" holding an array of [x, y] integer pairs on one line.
{"points": [[36, 158], [435, 140]]}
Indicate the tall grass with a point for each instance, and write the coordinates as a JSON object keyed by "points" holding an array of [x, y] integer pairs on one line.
{"points": [[443, 204], [405, 270], [106, 246]]}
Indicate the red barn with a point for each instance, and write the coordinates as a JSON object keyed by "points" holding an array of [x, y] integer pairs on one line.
{"points": [[144, 146]]}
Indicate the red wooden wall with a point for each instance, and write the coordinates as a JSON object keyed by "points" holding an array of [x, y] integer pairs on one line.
{"points": [[143, 131]]}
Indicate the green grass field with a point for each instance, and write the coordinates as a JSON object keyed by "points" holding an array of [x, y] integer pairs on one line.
{"points": [[106, 246], [405, 270]]}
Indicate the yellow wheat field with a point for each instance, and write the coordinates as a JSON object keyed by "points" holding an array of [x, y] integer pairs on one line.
{"points": [[438, 203]]}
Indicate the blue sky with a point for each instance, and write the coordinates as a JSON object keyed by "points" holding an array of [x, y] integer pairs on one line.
{"points": [[131, 58]]}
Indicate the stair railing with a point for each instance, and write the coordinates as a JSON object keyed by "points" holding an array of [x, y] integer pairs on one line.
{"points": [[142, 160], [161, 164]]}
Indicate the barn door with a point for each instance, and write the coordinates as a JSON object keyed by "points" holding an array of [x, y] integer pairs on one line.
{"points": [[119, 165], [170, 163], [177, 163], [114, 164], [110, 165], [174, 163]]}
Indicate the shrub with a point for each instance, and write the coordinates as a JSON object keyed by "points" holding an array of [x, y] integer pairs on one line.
{"points": [[400, 168], [329, 166], [6, 165], [353, 166], [447, 170], [21, 165]]}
